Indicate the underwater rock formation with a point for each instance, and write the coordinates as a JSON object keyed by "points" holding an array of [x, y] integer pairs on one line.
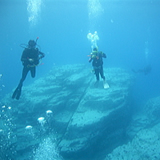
{"points": [[87, 120], [144, 131], [145, 145]]}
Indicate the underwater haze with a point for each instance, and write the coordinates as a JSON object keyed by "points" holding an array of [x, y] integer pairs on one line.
{"points": [[127, 31]]}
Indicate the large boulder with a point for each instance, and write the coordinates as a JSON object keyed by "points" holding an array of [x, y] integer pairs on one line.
{"points": [[87, 120]]}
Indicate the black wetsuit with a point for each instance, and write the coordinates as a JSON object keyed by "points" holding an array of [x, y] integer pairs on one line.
{"points": [[97, 63], [30, 59]]}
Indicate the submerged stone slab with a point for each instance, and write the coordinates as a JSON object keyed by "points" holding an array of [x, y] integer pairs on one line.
{"points": [[100, 114], [86, 117]]}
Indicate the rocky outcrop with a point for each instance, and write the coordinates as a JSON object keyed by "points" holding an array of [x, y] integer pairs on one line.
{"points": [[87, 120], [145, 145], [144, 130]]}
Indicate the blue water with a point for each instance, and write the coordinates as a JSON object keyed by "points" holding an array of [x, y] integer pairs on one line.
{"points": [[128, 30], [62, 27]]}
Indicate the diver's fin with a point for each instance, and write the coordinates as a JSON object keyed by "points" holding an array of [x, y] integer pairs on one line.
{"points": [[105, 85], [17, 93]]}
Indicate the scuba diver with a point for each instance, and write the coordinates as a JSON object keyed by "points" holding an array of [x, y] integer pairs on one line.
{"points": [[30, 59], [97, 63], [146, 70]]}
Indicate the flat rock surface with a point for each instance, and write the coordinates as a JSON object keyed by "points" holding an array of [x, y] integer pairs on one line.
{"points": [[83, 112]]}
